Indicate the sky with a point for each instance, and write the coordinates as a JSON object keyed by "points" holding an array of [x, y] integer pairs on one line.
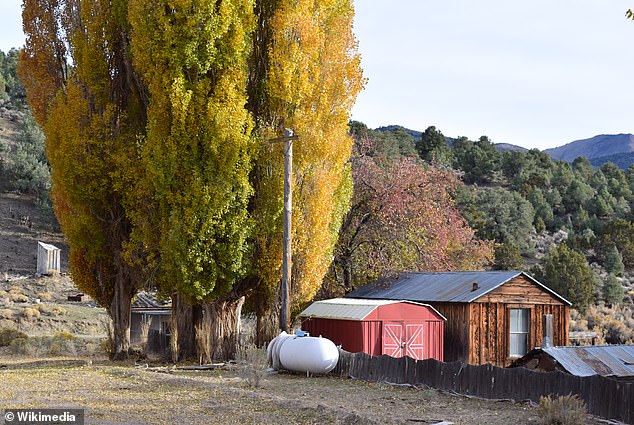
{"points": [[536, 74]]}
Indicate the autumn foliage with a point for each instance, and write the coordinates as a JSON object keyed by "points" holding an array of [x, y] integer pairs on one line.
{"points": [[157, 117], [403, 217]]}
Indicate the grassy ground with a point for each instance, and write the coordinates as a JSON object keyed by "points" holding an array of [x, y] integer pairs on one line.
{"points": [[127, 394]]}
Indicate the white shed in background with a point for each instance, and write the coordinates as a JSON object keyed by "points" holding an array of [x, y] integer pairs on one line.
{"points": [[48, 258]]}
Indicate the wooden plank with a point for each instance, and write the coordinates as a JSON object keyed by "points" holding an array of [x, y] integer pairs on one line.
{"points": [[520, 290]]}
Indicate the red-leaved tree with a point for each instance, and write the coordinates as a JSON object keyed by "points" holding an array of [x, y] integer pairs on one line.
{"points": [[403, 217]]}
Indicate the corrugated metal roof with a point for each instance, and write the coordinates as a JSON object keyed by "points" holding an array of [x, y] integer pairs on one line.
{"points": [[148, 300], [607, 360], [350, 308], [461, 287], [48, 246]]}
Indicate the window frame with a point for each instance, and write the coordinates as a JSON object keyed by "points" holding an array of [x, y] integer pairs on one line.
{"points": [[526, 332]]}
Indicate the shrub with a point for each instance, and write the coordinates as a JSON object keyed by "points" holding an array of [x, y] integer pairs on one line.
{"points": [[7, 313], [44, 296], [17, 297], [253, 361], [64, 343], [31, 313], [52, 311], [562, 410], [20, 346], [59, 311], [107, 344], [7, 336]]}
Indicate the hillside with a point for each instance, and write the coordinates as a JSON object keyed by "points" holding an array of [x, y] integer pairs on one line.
{"points": [[594, 147], [622, 160]]}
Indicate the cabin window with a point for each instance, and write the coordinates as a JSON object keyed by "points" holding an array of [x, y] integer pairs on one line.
{"points": [[519, 331]]}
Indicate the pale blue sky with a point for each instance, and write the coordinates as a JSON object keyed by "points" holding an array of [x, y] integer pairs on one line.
{"points": [[536, 74]]}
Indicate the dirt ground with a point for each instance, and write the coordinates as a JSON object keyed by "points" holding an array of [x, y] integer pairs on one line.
{"points": [[128, 394]]}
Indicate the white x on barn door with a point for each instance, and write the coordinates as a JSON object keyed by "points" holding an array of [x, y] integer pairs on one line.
{"points": [[400, 339], [393, 339], [414, 341]]}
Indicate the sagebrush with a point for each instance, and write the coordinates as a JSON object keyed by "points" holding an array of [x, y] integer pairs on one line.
{"points": [[563, 410]]}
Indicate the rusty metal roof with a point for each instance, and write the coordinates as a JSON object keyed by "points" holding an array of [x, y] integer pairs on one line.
{"points": [[349, 308], [604, 360], [460, 287]]}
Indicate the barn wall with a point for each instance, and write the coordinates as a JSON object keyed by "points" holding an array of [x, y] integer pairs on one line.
{"points": [[353, 336], [404, 311], [434, 340]]}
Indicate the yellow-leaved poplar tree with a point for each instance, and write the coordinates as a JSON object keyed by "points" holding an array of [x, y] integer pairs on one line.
{"points": [[82, 90], [193, 220], [310, 75]]}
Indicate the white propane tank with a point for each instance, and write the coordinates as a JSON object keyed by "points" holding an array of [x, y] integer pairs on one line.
{"points": [[308, 354]]}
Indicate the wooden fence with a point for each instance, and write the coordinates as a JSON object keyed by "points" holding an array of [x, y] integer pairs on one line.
{"points": [[604, 397]]}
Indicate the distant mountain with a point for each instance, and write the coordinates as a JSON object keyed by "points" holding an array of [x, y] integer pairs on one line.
{"points": [[596, 147], [622, 160], [502, 147], [505, 147], [616, 148], [415, 134]]}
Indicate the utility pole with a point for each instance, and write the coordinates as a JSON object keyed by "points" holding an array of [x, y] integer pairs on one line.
{"points": [[288, 208]]}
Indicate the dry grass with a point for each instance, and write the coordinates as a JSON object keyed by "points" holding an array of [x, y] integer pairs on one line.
{"points": [[119, 393], [203, 341], [17, 297], [31, 313], [253, 362], [44, 296], [562, 410]]}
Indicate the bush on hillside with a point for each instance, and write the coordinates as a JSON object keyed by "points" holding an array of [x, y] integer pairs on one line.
{"points": [[7, 336]]}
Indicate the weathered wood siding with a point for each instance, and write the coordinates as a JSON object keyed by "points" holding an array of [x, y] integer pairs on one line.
{"points": [[489, 324], [478, 332], [489, 336], [456, 330]]}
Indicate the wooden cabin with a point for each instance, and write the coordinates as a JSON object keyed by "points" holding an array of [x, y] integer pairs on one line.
{"points": [[376, 327], [492, 316]]}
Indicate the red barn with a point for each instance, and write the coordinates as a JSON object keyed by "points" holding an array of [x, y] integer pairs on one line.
{"points": [[395, 328]]}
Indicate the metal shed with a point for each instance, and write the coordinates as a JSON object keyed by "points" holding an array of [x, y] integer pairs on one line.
{"points": [[396, 328], [615, 361]]}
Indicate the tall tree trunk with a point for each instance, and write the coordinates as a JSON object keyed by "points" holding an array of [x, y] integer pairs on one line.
{"points": [[346, 267], [185, 316], [224, 321], [120, 309], [267, 323]]}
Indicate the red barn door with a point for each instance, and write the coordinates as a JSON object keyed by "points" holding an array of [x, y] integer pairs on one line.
{"points": [[414, 340], [400, 339]]}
